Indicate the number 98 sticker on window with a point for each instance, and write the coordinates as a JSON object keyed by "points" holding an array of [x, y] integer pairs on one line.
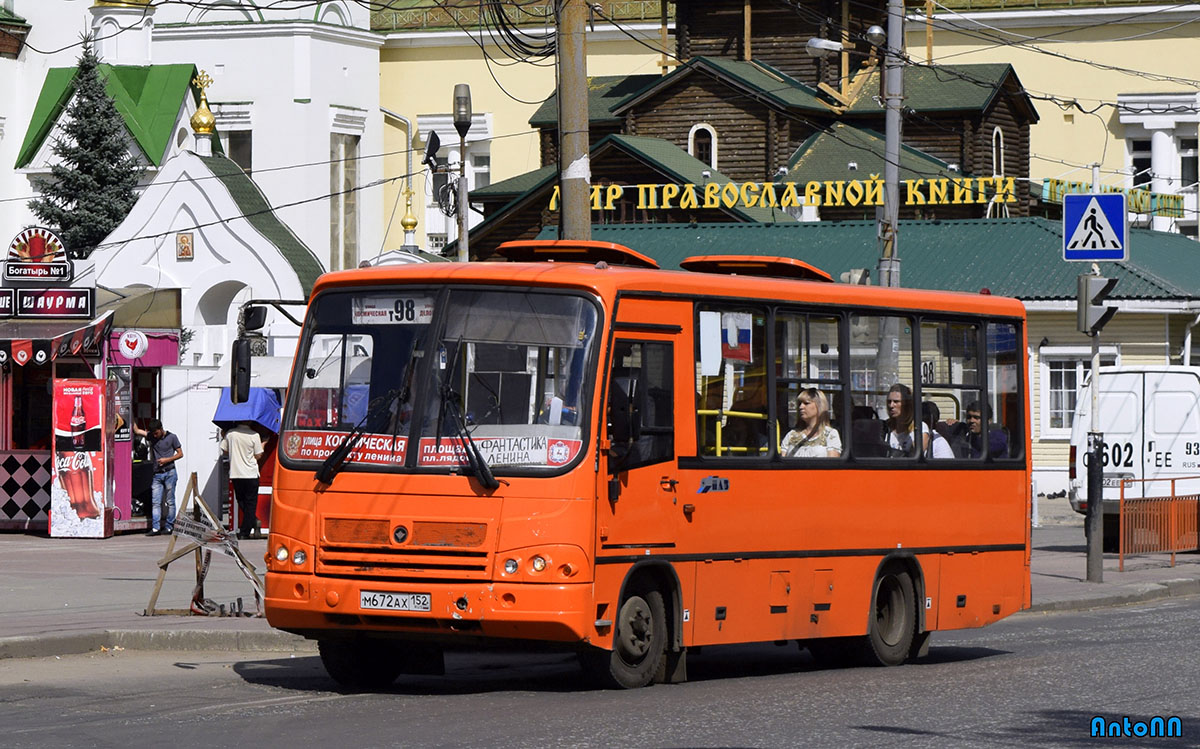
{"points": [[392, 310]]}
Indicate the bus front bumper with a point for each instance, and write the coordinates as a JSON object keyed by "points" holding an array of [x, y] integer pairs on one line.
{"points": [[307, 604]]}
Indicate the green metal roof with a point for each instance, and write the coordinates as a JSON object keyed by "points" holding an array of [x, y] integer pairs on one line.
{"points": [[255, 208], [683, 168], [8, 18], [149, 98], [675, 163], [605, 92], [514, 186], [940, 88], [828, 153], [1020, 257], [755, 77]]}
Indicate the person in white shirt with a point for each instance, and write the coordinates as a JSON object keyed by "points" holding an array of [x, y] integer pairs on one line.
{"points": [[813, 436], [901, 439], [244, 447], [938, 448]]}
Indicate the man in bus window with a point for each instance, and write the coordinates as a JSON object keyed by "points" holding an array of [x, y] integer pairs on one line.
{"points": [[968, 437]]}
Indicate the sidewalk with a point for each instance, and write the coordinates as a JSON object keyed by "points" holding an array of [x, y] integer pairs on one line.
{"points": [[60, 596]]}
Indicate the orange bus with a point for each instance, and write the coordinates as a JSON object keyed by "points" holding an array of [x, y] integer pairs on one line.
{"points": [[597, 454]]}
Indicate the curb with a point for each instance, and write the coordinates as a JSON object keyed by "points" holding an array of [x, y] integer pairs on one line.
{"points": [[1123, 596], [44, 646]]}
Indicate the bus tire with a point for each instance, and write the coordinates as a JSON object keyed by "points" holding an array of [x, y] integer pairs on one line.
{"points": [[892, 621], [639, 643], [361, 664]]}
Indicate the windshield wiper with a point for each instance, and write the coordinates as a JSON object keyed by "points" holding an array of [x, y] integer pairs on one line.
{"points": [[475, 460], [332, 464]]}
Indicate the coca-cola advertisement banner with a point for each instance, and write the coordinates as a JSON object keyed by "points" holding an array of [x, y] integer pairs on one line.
{"points": [[80, 505]]}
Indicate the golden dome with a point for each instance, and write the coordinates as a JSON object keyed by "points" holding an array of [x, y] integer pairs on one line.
{"points": [[203, 122], [409, 222]]}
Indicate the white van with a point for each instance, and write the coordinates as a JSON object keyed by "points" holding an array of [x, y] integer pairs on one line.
{"points": [[1150, 418]]}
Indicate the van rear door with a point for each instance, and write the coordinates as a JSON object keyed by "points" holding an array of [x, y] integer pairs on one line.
{"points": [[1172, 431], [1121, 418]]}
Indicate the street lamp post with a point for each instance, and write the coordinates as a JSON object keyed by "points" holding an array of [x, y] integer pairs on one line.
{"points": [[462, 123]]}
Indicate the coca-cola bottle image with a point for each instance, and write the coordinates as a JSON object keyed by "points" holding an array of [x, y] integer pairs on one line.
{"points": [[75, 475], [78, 425], [75, 468]]}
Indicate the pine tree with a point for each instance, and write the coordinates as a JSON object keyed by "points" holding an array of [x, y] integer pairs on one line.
{"points": [[91, 188]]}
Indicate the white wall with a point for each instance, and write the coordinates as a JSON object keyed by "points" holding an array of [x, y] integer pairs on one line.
{"points": [[316, 71], [231, 261], [54, 24]]}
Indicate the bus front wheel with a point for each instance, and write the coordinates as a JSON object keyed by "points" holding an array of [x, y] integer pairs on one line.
{"points": [[361, 664], [892, 621], [639, 643]]}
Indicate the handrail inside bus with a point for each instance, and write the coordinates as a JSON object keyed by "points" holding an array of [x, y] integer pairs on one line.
{"points": [[574, 251], [755, 265]]}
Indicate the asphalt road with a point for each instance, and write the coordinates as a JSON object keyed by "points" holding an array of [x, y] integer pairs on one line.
{"points": [[1029, 681]]}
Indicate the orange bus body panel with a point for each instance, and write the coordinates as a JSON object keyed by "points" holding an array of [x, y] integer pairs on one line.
{"points": [[783, 554]]}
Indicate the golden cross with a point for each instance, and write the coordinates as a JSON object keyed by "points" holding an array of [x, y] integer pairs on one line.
{"points": [[202, 81]]}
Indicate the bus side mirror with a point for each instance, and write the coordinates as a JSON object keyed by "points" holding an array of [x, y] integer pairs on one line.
{"points": [[254, 318], [239, 381]]}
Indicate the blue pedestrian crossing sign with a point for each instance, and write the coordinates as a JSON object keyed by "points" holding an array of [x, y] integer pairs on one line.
{"points": [[1095, 227]]}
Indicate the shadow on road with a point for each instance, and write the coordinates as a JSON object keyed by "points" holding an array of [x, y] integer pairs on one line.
{"points": [[477, 672]]}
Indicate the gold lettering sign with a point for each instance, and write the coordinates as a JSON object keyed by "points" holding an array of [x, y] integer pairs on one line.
{"points": [[833, 193], [1136, 199]]}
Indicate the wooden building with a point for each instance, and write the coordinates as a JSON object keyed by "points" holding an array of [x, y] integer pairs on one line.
{"points": [[747, 104]]}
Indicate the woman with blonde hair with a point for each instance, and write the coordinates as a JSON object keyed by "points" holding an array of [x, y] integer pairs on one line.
{"points": [[813, 436]]}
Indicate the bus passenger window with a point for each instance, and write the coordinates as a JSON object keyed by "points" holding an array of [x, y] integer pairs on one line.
{"points": [[1004, 381], [808, 402], [641, 405], [951, 378], [881, 368], [732, 401]]}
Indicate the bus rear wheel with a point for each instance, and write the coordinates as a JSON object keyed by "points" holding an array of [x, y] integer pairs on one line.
{"points": [[639, 643], [892, 621], [361, 664]]}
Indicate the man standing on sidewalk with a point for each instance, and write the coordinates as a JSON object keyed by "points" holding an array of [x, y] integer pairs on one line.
{"points": [[164, 451], [244, 447]]}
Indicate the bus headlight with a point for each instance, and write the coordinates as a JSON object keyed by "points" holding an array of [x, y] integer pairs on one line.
{"points": [[510, 566], [538, 563], [299, 558], [281, 554]]}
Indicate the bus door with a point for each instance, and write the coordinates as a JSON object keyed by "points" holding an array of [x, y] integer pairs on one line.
{"points": [[640, 504]]}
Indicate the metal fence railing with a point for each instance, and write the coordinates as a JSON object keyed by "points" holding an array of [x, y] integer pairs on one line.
{"points": [[1158, 525]]}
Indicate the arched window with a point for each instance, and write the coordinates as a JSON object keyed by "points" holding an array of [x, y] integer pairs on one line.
{"points": [[997, 152], [702, 144]]}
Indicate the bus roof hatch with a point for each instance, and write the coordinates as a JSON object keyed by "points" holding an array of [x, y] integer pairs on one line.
{"points": [[573, 251], [755, 265]]}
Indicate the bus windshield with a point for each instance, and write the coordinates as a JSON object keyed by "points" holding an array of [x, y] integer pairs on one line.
{"points": [[419, 378]]}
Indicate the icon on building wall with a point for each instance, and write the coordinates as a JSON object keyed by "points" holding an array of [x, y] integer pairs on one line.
{"points": [[183, 246]]}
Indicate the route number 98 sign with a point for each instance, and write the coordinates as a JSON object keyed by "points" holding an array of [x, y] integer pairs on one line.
{"points": [[392, 309]]}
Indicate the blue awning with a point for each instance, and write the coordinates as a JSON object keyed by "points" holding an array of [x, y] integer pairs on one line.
{"points": [[262, 408]]}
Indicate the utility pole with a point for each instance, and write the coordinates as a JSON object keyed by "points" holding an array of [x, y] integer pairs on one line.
{"points": [[575, 172], [893, 85], [1094, 520]]}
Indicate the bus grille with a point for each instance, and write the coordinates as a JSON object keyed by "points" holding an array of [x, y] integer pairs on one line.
{"points": [[364, 548]]}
